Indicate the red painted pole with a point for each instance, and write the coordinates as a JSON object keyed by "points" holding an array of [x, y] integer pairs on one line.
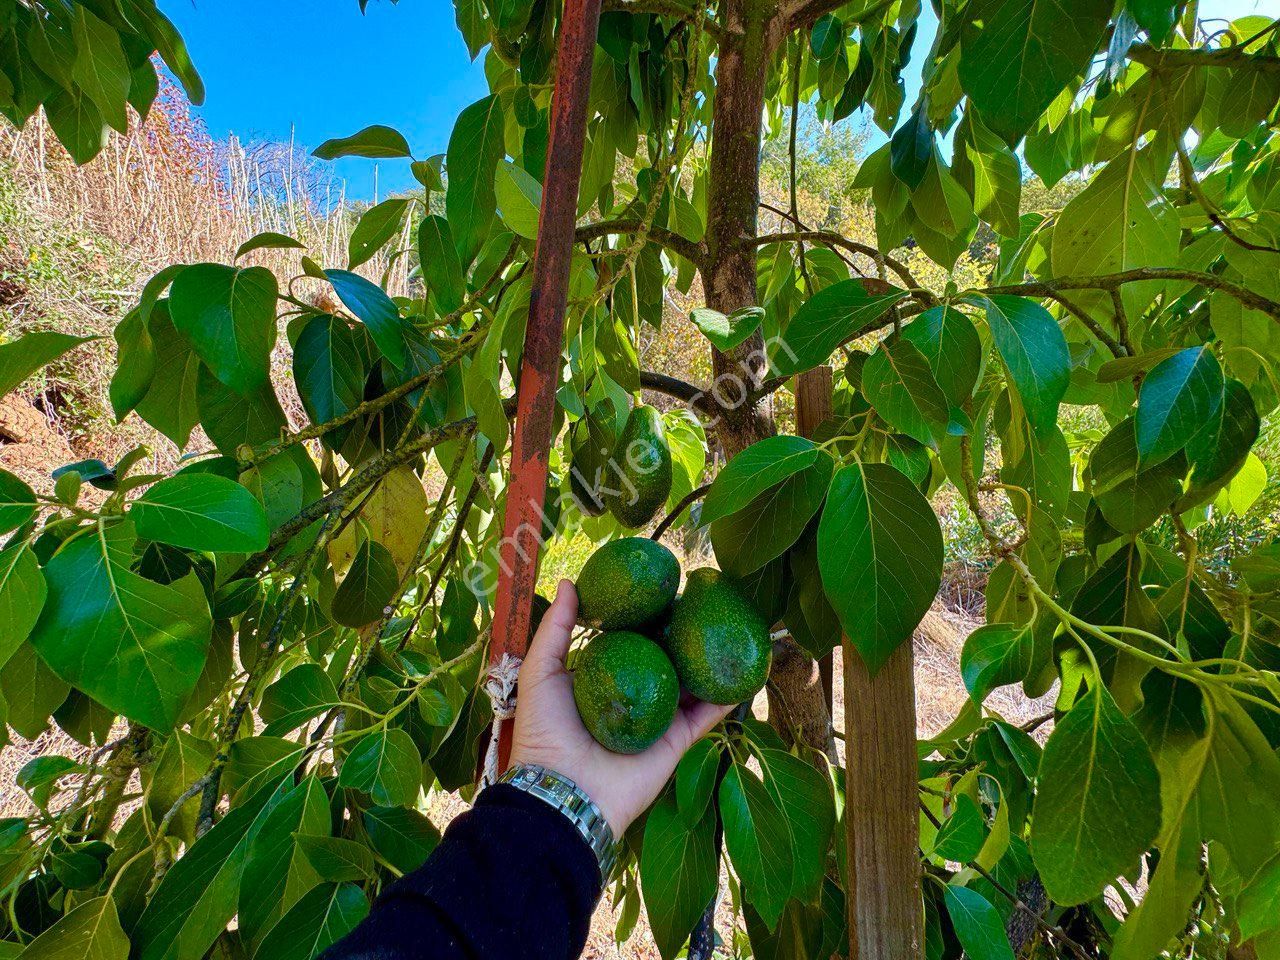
{"points": [[540, 366]]}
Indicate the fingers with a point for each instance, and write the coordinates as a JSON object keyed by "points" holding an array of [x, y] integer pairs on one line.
{"points": [[551, 642], [698, 719]]}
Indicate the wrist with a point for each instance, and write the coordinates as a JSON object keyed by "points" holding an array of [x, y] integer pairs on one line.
{"points": [[568, 798]]}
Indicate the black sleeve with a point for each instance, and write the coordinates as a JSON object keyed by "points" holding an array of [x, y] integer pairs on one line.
{"points": [[512, 878]]}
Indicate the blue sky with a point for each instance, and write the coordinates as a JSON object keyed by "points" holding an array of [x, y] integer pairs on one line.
{"points": [[321, 69]]}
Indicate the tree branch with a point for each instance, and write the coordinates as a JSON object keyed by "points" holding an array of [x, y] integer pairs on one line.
{"points": [[1193, 185], [1112, 281], [688, 501], [1154, 57], [664, 8], [695, 253], [803, 13], [694, 397], [838, 240]]}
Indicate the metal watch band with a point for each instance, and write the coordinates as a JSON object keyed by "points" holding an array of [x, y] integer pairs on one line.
{"points": [[565, 795]]}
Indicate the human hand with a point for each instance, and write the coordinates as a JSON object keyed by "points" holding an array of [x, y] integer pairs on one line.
{"points": [[549, 732]]}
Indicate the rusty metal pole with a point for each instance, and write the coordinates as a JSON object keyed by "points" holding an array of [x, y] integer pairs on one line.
{"points": [[540, 365]]}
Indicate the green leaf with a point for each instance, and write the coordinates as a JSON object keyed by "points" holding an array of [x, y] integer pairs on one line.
{"points": [[1094, 811], [977, 925], [321, 918], [24, 356], [336, 859], [899, 383], [997, 176], [100, 69], [304, 692], [135, 646], [696, 780], [1179, 396], [1220, 449], [1131, 499], [276, 872], [328, 368], [678, 873], [386, 765], [753, 471], [268, 240], [758, 841], [169, 403], [32, 691], [805, 796], [830, 317], [826, 37], [374, 309], [231, 419], [880, 554], [91, 931], [376, 142], [17, 502], [519, 199], [1034, 352], [368, 586], [183, 760], [135, 363], [22, 597], [1017, 55], [198, 896], [767, 527], [403, 837], [475, 147], [77, 123], [996, 655], [726, 332], [960, 838], [950, 343], [376, 226], [229, 315], [441, 267], [202, 512]]}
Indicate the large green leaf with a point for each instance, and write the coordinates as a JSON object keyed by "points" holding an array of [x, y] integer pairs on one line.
{"points": [[1095, 810], [183, 760], [277, 873], [229, 315], [758, 841], [304, 692], [1130, 498], [328, 368], [374, 309], [202, 511], [830, 317], [519, 199], [695, 780], [475, 147], [133, 645], [977, 925], [377, 225], [231, 419], [441, 267], [1017, 55], [767, 527], [24, 356], [951, 344], [1179, 397], [1034, 352], [1220, 449], [368, 586], [377, 142], [678, 873], [880, 553], [90, 931], [727, 331], [17, 502], [753, 471], [22, 596], [321, 918], [995, 172], [404, 837], [996, 655], [898, 381], [100, 69], [804, 794], [135, 363], [387, 766], [169, 403]]}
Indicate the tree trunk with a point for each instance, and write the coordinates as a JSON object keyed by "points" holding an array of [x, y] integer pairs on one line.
{"points": [[882, 822]]}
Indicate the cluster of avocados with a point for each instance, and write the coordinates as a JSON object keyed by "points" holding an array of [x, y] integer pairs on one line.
{"points": [[630, 475], [710, 640]]}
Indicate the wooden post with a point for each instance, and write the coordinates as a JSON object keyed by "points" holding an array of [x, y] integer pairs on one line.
{"points": [[540, 365], [882, 819]]}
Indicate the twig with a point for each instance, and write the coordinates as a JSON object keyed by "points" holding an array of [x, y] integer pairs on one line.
{"points": [[670, 518], [830, 238], [1193, 185]]}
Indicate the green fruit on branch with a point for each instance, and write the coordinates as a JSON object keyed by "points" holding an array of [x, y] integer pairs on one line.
{"points": [[627, 584], [638, 480], [626, 691], [718, 641], [592, 444]]}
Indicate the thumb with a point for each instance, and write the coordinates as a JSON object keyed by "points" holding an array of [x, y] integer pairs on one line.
{"points": [[551, 642]]}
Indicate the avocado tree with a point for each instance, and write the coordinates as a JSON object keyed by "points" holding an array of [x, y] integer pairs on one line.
{"points": [[292, 635]]}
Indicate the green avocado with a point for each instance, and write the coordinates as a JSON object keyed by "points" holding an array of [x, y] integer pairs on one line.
{"points": [[718, 641], [626, 584], [638, 478], [626, 691], [592, 445]]}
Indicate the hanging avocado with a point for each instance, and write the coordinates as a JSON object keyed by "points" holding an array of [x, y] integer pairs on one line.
{"points": [[589, 468], [638, 476]]}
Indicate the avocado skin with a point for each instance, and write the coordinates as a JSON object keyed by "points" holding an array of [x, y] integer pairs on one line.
{"points": [[626, 584], [638, 481], [718, 641], [626, 691]]}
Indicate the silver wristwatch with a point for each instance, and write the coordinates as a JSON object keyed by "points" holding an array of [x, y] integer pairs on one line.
{"points": [[567, 797]]}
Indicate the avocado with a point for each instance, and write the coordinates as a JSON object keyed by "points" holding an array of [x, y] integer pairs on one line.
{"points": [[638, 480], [626, 584], [718, 640], [593, 442], [537, 610], [626, 691]]}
